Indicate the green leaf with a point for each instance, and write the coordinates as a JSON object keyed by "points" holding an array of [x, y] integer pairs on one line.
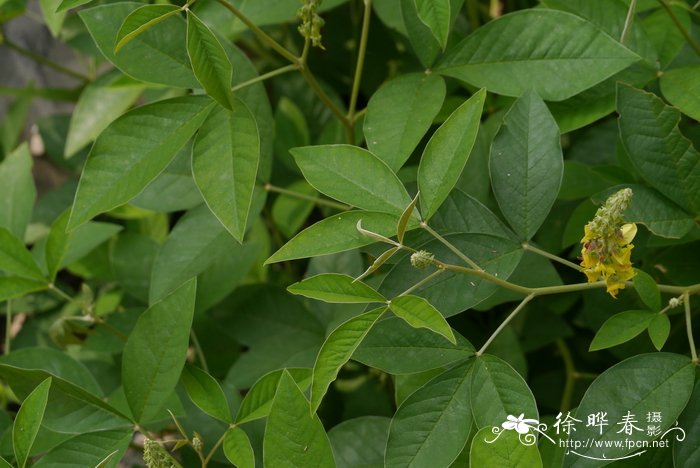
{"points": [[658, 382], [101, 101], [14, 120], [28, 421], [505, 452], [140, 20], [52, 18], [132, 151], [526, 164], [337, 233], [508, 56], [68, 4], [400, 113], [419, 313], [206, 393], [156, 352], [237, 448], [431, 427], [447, 152], [15, 259], [225, 159], [290, 213], [681, 88], [258, 400], [462, 213], [337, 350], [158, 55], [621, 328], [436, 15], [405, 218], [664, 157], [647, 289], [497, 390], [4, 463], [424, 44], [360, 441], [687, 454], [352, 175], [89, 449], [209, 61], [396, 348], [57, 244], [194, 244], [659, 329], [12, 286], [294, 436], [664, 32], [18, 191], [336, 288]]}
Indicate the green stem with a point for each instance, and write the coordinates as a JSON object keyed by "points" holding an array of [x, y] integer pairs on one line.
{"points": [[679, 25], [316, 87], [570, 376], [422, 282], [550, 256], [265, 76], [107, 326], [631, 12], [52, 287], [214, 449], [279, 48], [362, 51], [198, 350], [303, 196], [689, 328], [42, 60], [505, 323], [449, 245], [8, 327]]}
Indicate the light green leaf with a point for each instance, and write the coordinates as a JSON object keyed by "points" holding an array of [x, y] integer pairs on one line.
{"points": [[337, 233], [15, 259], [140, 20], [237, 448], [209, 61], [393, 346], [156, 352], [57, 244], [18, 191], [436, 15], [89, 449], [658, 382], [52, 18], [400, 113], [431, 427], [405, 218], [419, 313], [101, 101], [681, 88], [647, 289], [621, 328], [68, 4], [336, 288], [158, 55], [664, 157], [258, 400], [524, 50], [360, 441], [659, 329], [132, 151], [206, 393], [12, 286], [505, 452], [352, 175], [28, 421], [526, 164], [497, 390], [447, 153], [294, 436], [337, 350], [225, 158]]}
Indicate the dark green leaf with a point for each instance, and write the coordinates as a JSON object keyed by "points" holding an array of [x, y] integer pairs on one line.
{"points": [[419, 313], [294, 436], [140, 20], [237, 448], [336, 288], [206, 393], [621, 328], [258, 400], [507, 451], [526, 49], [681, 88], [436, 15], [156, 351], [647, 289], [686, 453], [659, 329], [15, 259], [405, 218], [526, 164], [132, 151], [88, 449], [360, 441], [28, 421], [446, 153], [12, 286], [337, 350]]}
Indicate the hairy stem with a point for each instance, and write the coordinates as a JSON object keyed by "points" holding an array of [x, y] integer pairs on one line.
{"points": [[679, 25], [360, 62], [629, 20], [450, 246], [505, 323], [563, 261], [303, 196], [689, 328]]}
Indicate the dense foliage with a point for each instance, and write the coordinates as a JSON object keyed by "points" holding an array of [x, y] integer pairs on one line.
{"points": [[350, 233]]}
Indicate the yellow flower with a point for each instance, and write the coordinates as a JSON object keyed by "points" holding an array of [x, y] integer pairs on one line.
{"points": [[607, 244]]}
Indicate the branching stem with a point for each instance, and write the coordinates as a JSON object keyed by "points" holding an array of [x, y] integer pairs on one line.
{"points": [[450, 246]]}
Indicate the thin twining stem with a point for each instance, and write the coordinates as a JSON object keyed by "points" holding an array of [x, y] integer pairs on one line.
{"points": [[449, 245], [689, 328], [505, 323], [563, 261]]}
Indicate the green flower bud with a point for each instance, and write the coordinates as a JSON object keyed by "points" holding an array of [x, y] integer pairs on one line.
{"points": [[422, 259]]}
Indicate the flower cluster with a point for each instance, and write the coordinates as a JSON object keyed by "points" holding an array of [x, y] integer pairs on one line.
{"points": [[311, 22], [607, 244]]}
